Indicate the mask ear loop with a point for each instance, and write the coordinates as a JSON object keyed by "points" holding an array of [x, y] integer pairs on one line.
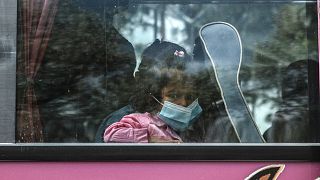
{"points": [[156, 99], [215, 105]]}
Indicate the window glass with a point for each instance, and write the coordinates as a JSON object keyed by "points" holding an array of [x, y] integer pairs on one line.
{"points": [[143, 71]]}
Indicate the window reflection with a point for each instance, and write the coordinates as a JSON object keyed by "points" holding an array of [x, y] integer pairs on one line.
{"points": [[86, 82]]}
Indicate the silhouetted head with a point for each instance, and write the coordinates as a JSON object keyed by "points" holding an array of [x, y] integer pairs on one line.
{"points": [[295, 79]]}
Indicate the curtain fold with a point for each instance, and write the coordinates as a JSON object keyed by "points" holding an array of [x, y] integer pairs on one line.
{"points": [[37, 20]]}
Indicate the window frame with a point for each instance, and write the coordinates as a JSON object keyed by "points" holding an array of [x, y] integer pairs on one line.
{"points": [[160, 152]]}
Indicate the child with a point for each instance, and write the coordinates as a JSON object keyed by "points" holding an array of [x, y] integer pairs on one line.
{"points": [[165, 93]]}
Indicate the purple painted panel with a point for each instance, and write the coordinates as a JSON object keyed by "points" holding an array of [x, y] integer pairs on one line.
{"points": [[150, 170]]}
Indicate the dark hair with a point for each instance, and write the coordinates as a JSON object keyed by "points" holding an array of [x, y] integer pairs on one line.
{"points": [[158, 66]]}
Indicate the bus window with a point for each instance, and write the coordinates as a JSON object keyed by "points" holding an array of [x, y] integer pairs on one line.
{"points": [[86, 69]]}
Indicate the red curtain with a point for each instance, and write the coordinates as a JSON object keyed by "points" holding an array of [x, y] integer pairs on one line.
{"points": [[37, 17]]}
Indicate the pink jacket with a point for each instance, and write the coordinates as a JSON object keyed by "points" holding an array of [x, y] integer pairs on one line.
{"points": [[140, 128]]}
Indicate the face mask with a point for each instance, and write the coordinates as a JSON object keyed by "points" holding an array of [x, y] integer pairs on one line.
{"points": [[178, 117]]}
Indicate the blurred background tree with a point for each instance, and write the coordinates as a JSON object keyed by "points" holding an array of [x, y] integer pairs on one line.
{"points": [[81, 78]]}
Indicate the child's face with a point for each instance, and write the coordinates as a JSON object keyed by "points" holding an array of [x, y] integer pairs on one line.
{"points": [[178, 93]]}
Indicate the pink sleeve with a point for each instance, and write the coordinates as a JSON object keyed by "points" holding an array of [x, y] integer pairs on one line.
{"points": [[127, 130]]}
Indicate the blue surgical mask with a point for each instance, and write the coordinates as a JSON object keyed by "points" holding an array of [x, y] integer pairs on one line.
{"points": [[178, 117]]}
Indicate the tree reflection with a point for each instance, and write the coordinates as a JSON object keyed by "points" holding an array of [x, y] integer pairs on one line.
{"points": [[86, 74], [88, 66]]}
